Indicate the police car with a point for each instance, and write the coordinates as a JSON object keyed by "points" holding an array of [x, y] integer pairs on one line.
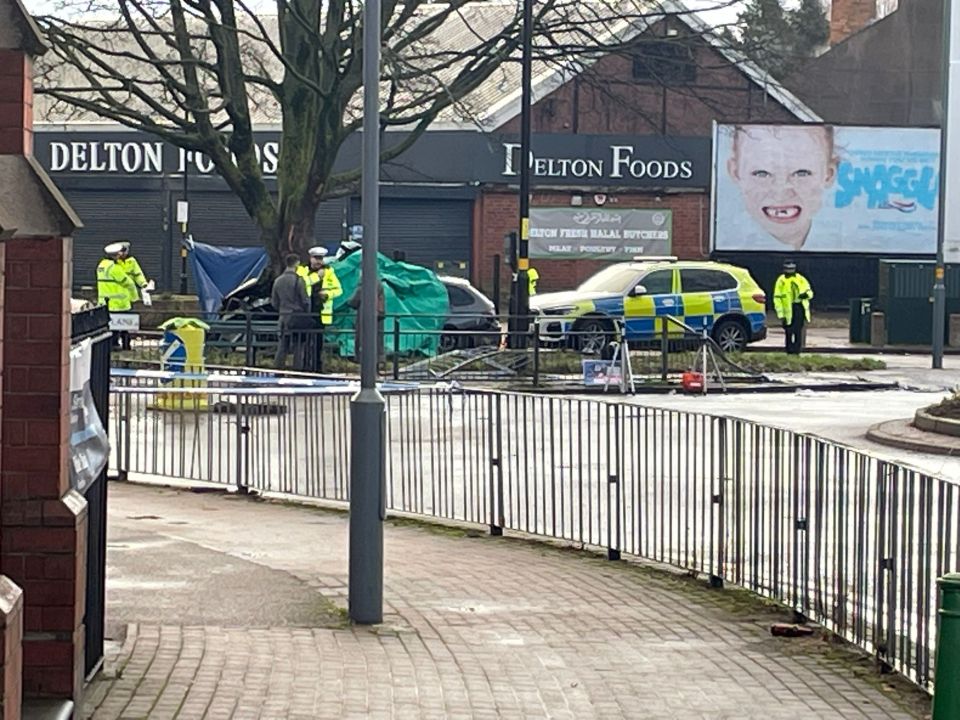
{"points": [[717, 297]]}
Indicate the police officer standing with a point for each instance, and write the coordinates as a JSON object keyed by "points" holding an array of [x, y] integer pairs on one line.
{"points": [[132, 267], [323, 287], [533, 280], [115, 287], [791, 300]]}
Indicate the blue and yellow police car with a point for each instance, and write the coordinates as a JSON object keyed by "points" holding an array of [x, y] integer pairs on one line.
{"points": [[638, 297]]}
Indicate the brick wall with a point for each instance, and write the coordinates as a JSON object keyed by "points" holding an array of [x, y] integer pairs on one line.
{"points": [[43, 535], [606, 100], [849, 16], [497, 214], [11, 654], [16, 103]]}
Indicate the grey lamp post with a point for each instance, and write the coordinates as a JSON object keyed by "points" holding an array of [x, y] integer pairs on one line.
{"points": [[367, 409]]}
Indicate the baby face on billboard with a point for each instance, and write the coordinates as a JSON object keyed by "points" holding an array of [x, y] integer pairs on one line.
{"points": [[782, 173]]}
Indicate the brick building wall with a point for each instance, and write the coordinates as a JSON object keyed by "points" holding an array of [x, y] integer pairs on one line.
{"points": [[43, 547], [42, 521], [16, 102], [496, 213], [605, 100], [850, 16]]}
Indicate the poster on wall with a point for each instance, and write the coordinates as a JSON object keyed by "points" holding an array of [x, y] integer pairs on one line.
{"points": [[825, 188], [599, 233]]}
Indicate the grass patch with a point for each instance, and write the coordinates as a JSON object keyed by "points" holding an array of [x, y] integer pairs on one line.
{"points": [[645, 361], [948, 408], [781, 362]]}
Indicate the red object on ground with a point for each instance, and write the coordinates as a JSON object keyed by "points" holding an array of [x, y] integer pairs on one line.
{"points": [[692, 382]]}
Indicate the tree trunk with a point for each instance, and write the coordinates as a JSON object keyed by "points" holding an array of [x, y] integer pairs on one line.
{"points": [[292, 233]]}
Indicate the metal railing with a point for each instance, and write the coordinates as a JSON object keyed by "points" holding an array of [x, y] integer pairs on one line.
{"points": [[93, 325], [844, 538], [419, 347]]}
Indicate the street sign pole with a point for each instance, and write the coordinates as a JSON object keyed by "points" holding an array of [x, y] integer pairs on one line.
{"points": [[367, 409], [947, 225]]}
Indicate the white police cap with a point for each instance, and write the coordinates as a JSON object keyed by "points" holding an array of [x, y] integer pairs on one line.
{"points": [[317, 251], [114, 248]]}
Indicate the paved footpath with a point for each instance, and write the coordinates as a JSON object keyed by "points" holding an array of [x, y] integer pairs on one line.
{"points": [[221, 607]]}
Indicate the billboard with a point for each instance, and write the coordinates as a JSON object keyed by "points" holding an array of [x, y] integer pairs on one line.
{"points": [[825, 188], [599, 233]]}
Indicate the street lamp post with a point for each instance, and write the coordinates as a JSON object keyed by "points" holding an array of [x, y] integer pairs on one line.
{"points": [[367, 409], [947, 225]]}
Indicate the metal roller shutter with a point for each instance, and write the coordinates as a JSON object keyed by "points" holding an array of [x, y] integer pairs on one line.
{"points": [[111, 215], [428, 232], [331, 215], [219, 218]]}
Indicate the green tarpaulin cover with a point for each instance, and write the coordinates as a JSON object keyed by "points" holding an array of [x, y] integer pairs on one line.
{"points": [[413, 296]]}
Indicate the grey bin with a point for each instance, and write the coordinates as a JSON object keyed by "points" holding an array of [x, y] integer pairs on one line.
{"points": [[860, 311]]}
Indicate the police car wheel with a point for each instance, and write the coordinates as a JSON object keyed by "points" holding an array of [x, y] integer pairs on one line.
{"points": [[730, 336], [593, 335], [448, 342]]}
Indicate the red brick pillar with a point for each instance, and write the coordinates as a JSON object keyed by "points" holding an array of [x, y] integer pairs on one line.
{"points": [[43, 535], [11, 656]]}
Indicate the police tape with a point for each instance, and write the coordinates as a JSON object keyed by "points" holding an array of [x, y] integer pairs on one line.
{"points": [[263, 384]]}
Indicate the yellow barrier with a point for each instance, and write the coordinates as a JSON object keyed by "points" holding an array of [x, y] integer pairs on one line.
{"points": [[183, 351]]}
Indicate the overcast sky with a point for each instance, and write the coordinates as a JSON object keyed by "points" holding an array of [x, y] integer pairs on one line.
{"points": [[724, 15]]}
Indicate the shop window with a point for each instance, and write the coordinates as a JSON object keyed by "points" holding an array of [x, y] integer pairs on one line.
{"points": [[664, 61]]}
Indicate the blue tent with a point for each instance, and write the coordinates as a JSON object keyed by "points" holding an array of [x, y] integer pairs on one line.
{"points": [[217, 270]]}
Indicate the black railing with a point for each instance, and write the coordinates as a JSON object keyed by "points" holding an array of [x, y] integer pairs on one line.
{"points": [[93, 325], [844, 538], [551, 351]]}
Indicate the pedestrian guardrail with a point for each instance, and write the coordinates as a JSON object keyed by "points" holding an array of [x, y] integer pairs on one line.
{"points": [[551, 351], [844, 538]]}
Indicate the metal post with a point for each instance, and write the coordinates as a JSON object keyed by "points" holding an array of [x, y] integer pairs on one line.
{"points": [[523, 248], [251, 353], [396, 347], [367, 408], [183, 237], [950, 62], [946, 692], [536, 354], [664, 351], [496, 284]]}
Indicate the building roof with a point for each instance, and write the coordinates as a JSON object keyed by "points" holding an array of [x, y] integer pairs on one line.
{"points": [[18, 31], [494, 101], [506, 106], [31, 205]]}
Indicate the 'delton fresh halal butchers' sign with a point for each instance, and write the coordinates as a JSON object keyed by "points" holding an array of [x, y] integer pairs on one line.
{"points": [[599, 233]]}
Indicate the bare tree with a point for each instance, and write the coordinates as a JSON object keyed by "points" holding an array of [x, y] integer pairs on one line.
{"points": [[200, 73]]}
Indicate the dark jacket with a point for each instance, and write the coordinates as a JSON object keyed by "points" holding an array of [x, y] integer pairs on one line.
{"points": [[289, 296]]}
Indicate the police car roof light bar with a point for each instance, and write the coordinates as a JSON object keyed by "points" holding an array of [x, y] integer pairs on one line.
{"points": [[655, 258]]}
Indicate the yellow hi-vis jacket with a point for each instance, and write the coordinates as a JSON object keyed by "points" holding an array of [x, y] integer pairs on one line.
{"points": [[114, 286], [132, 268], [788, 291], [533, 277], [331, 288], [329, 285]]}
